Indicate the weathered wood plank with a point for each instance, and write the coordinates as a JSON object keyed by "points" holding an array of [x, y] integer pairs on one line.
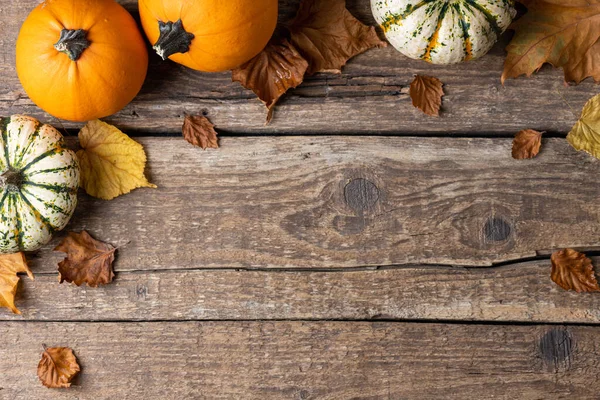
{"points": [[299, 360], [371, 96], [520, 292], [331, 202]]}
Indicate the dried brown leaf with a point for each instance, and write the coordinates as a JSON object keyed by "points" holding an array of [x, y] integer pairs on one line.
{"points": [[328, 35], [88, 260], [426, 93], [10, 266], [58, 367], [572, 270], [564, 33], [526, 144], [200, 132], [271, 73]]}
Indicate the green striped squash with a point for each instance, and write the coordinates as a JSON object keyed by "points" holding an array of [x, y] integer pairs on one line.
{"points": [[39, 178], [443, 31]]}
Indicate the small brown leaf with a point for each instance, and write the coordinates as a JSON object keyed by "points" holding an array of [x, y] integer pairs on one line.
{"points": [[426, 93], [572, 270], [200, 132], [58, 367], [328, 35], [271, 73], [10, 266], [526, 144], [88, 260]]}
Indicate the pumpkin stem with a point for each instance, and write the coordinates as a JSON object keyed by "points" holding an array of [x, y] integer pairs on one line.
{"points": [[11, 178], [72, 42], [173, 39]]}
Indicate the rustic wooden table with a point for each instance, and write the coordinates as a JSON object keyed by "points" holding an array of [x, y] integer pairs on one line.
{"points": [[354, 248]]}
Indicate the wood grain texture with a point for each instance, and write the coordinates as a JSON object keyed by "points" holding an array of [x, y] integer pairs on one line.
{"points": [[299, 360], [371, 96], [332, 202], [522, 292]]}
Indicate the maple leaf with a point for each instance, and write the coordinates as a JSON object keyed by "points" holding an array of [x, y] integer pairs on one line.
{"points": [[10, 266], [58, 367], [111, 162], [328, 35], [572, 270], [200, 132], [426, 93], [278, 68], [526, 144], [88, 260], [564, 33], [585, 134]]}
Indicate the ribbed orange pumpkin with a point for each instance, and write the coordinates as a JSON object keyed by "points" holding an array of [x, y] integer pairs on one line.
{"points": [[209, 35], [80, 60]]}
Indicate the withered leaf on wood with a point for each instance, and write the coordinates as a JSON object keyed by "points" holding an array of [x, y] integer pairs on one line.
{"points": [[585, 134], [526, 144], [564, 33], [10, 266], [58, 367], [426, 93], [328, 35], [572, 270], [88, 260], [271, 73], [200, 132]]}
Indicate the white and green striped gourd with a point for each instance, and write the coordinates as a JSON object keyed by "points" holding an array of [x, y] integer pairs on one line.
{"points": [[39, 178], [443, 31]]}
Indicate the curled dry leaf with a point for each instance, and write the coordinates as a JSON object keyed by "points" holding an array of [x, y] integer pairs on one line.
{"points": [[111, 162], [88, 260], [328, 35], [572, 270], [585, 134], [200, 132], [526, 144], [10, 266], [426, 93], [564, 33], [271, 73], [58, 367]]}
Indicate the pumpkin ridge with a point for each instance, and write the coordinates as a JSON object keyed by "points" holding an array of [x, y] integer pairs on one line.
{"points": [[488, 15], [433, 39], [41, 156], [31, 140], [50, 206], [19, 228], [393, 19], [43, 171], [4, 126], [56, 188], [465, 28], [38, 215]]}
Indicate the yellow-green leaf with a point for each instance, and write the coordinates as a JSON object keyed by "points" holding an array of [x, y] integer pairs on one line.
{"points": [[10, 266], [585, 135], [111, 162]]}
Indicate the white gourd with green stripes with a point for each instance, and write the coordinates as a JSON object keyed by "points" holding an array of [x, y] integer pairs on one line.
{"points": [[443, 31], [39, 179]]}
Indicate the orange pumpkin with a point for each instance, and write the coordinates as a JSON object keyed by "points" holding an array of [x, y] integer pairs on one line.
{"points": [[81, 60], [208, 35]]}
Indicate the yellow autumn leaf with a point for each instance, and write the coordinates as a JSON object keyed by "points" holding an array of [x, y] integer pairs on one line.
{"points": [[111, 162], [10, 266], [585, 135]]}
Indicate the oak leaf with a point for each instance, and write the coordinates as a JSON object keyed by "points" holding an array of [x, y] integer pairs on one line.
{"points": [[88, 260], [564, 33], [10, 266], [111, 162], [585, 134], [271, 73], [426, 93], [328, 35], [200, 132], [572, 270], [58, 367], [526, 144]]}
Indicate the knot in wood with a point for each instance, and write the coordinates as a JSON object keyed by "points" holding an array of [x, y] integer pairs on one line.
{"points": [[496, 229], [361, 195], [556, 348]]}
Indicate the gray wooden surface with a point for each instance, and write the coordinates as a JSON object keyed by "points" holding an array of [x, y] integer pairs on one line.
{"points": [[358, 249]]}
